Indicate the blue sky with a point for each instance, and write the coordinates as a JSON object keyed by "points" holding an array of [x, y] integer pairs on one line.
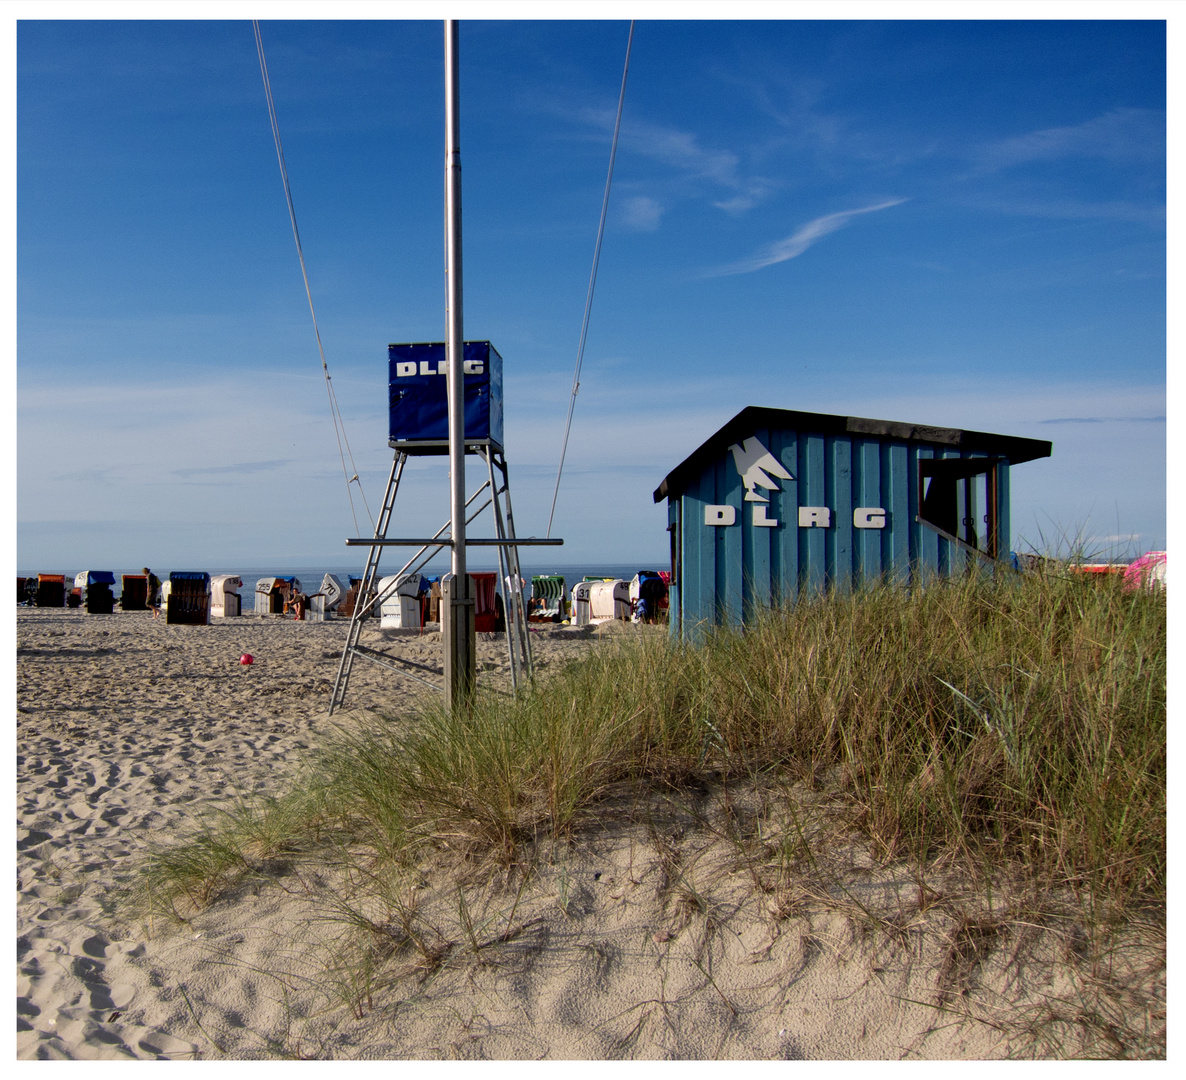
{"points": [[959, 223]]}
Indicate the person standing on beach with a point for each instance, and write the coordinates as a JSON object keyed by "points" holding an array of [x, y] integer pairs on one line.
{"points": [[153, 595]]}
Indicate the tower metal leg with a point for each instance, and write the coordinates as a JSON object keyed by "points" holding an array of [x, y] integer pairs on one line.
{"points": [[508, 571], [362, 609], [515, 574], [518, 639]]}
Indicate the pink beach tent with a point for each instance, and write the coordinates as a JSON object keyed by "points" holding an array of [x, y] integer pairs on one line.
{"points": [[1146, 572]]}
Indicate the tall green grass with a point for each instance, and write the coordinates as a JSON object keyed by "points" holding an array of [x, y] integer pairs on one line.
{"points": [[1007, 723]]}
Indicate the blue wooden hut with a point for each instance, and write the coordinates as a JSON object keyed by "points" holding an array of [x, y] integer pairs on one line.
{"points": [[778, 503]]}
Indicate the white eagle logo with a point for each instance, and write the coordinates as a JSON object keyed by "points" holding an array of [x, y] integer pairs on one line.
{"points": [[756, 465]]}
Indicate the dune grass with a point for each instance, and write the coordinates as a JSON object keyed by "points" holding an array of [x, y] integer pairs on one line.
{"points": [[1006, 730], [1007, 721]]}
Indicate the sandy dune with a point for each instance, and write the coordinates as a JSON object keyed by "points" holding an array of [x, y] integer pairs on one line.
{"points": [[645, 938]]}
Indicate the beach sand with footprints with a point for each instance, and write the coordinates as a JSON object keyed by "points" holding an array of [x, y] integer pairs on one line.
{"points": [[642, 937]]}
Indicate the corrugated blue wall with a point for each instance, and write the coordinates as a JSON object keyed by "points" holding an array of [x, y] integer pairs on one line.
{"points": [[727, 571]]}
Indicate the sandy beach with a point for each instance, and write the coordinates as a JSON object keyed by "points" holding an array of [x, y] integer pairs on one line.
{"points": [[643, 938]]}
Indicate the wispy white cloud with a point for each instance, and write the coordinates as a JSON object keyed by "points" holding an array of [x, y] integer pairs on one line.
{"points": [[1120, 135], [242, 468], [1104, 420], [799, 241], [985, 404], [128, 454], [754, 192], [642, 213], [682, 152], [1151, 213]]}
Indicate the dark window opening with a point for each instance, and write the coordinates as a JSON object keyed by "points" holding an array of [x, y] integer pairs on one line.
{"points": [[957, 497]]}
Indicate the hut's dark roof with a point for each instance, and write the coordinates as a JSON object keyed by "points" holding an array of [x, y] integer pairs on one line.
{"points": [[743, 425]]}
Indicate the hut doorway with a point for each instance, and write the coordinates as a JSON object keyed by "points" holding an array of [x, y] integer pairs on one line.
{"points": [[957, 497]]}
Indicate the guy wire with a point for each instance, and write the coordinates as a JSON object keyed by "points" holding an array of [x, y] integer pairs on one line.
{"points": [[351, 474], [576, 376]]}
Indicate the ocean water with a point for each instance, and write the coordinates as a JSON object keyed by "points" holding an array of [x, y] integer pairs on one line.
{"points": [[310, 576]]}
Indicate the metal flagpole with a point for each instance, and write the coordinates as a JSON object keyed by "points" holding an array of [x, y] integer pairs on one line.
{"points": [[460, 642], [458, 607]]}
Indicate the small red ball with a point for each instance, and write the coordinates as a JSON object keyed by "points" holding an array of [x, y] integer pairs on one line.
{"points": [[246, 658]]}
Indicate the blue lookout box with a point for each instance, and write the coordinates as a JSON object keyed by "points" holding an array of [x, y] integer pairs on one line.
{"points": [[778, 503], [418, 403]]}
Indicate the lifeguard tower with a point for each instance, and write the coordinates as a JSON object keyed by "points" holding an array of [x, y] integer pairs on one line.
{"points": [[419, 427]]}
